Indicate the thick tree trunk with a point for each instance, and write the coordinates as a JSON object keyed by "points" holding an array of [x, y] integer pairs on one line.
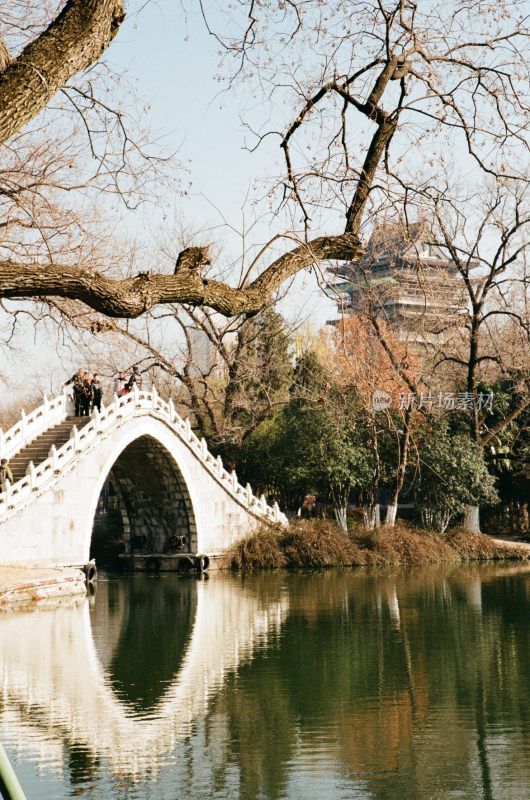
{"points": [[472, 519], [73, 41], [372, 516]]}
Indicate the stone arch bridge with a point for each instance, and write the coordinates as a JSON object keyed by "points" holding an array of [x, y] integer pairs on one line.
{"points": [[165, 482]]}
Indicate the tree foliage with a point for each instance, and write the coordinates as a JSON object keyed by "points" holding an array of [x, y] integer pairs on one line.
{"points": [[452, 475], [316, 444]]}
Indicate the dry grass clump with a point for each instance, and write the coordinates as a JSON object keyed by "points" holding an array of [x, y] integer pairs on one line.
{"points": [[260, 550], [407, 546], [312, 543], [304, 543], [479, 547], [320, 543]]}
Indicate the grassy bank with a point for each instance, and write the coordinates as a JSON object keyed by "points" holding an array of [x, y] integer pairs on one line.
{"points": [[319, 543]]}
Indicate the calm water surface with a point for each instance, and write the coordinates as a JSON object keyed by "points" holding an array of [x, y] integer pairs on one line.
{"points": [[331, 685]]}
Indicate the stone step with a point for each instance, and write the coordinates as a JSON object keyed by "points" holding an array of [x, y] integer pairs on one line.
{"points": [[39, 449], [42, 445], [28, 451]]}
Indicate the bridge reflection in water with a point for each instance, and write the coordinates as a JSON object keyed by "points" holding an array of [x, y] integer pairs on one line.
{"points": [[130, 693], [341, 684]]}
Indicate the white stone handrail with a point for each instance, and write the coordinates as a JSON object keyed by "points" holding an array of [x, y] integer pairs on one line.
{"points": [[38, 476], [49, 413]]}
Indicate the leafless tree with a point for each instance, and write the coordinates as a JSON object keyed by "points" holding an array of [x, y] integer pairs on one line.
{"points": [[487, 239], [371, 82]]}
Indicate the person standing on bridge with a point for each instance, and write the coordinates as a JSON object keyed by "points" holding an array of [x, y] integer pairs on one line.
{"points": [[77, 388], [5, 474], [119, 383], [135, 378], [87, 395], [97, 392]]}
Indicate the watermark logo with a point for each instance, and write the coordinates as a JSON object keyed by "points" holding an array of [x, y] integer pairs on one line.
{"points": [[446, 401], [381, 400]]}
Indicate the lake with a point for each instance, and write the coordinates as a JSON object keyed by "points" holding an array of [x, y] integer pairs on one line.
{"points": [[331, 685]]}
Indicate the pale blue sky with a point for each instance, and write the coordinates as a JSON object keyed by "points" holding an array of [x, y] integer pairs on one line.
{"points": [[173, 63]]}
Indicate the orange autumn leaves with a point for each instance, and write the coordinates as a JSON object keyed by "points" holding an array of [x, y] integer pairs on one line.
{"points": [[371, 361]]}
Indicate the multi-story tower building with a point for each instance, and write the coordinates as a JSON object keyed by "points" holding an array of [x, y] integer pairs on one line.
{"points": [[404, 279]]}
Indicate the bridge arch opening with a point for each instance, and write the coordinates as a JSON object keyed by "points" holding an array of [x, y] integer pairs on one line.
{"points": [[144, 506]]}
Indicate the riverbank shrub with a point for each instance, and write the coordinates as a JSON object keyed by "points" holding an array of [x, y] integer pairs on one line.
{"points": [[405, 545], [260, 550], [320, 543], [303, 544], [313, 544], [481, 547]]}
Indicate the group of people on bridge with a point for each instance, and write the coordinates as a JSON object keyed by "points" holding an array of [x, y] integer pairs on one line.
{"points": [[88, 390], [87, 395]]}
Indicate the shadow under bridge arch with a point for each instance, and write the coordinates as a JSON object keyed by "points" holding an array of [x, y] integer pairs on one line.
{"points": [[144, 506]]}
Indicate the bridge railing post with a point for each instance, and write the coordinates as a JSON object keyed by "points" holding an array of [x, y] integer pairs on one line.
{"points": [[136, 394], [219, 465], [277, 512], [96, 416], [172, 411], [31, 471], [75, 436], [235, 482], [7, 491], [67, 402], [250, 495], [23, 425], [154, 394], [53, 456], [187, 427]]}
